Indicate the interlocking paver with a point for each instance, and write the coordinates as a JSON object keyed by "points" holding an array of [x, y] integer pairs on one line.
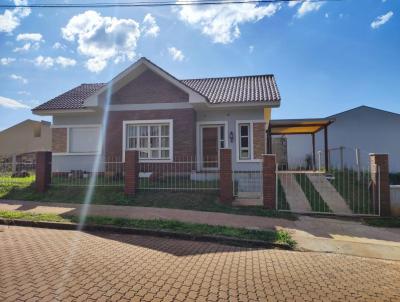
{"points": [[43, 264]]}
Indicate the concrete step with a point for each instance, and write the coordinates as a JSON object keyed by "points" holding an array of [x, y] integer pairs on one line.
{"points": [[295, 196]]}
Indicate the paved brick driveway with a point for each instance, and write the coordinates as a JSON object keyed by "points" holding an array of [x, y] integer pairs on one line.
{"points": [[45, 265]]}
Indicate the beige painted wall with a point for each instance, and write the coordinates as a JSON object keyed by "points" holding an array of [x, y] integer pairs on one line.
{"points": [[20, 138]]}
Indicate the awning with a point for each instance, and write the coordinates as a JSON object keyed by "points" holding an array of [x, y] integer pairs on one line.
{"points": [[298, 126]]}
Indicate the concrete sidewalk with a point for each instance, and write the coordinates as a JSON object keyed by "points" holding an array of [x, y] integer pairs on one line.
{"points": [[311, 233]]}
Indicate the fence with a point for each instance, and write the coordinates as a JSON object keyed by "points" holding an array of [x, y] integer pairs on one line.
{"points": [[17, 173], [183, 174], [248, 183]]}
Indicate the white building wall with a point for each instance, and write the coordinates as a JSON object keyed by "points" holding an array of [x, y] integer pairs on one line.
{"points": [[371, 130]]}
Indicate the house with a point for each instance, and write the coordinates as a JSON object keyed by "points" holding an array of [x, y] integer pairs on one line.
{"points": [[21, 141], [366, 129], [147, 109]]}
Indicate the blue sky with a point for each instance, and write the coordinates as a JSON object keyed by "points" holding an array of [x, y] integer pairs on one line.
{"points": [[327, 56]]}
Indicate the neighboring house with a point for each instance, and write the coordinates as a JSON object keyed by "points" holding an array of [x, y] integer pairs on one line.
{"points": [[369, 129], [20, 141], [147, 109]]}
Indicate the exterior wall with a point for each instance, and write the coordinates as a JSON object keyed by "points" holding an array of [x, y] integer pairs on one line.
{"points": [[66, 163], [231, 116], [20, 139], [142, 91], [259, 140], [184, 135], [59, 140], [371, 130]]}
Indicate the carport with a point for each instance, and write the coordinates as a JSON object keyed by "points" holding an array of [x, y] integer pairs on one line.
{"points": [[300, 127]]}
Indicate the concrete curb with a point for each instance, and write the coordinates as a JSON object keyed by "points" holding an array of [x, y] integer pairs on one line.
{"points": [[145, 232]]}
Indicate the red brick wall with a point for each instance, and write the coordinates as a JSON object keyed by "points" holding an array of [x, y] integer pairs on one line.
{"points": [[149, 87], [59, 140], [184, 129], [259, 140]]}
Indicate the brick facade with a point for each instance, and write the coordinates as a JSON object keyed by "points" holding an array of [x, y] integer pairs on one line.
{"points": [[184, 129], [131, 172], [269, 181], [59, 140], [148, 88], [43, 170], [380, 182], [225, 176], [259, 140]]}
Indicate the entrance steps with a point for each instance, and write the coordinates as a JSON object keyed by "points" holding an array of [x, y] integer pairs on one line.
{"points": [[329, 194], [295, 196]]}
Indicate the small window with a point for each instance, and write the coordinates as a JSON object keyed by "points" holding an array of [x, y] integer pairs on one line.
{"points": [[244, 142], [83, 139], [151, 140], [222, 137], [37, 130]]}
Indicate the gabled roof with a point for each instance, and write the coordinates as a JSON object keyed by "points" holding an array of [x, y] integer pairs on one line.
{"points": [[226, 90], [363, 107]]}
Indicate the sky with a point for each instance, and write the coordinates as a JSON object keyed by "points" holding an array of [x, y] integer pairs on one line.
{"points": [[327, 57]]}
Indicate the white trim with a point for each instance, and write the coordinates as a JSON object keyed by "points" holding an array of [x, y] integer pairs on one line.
{"points": [[242, 104], [80, 154], [76, 126], [61, 111], [152, 106], [199, 144], [171, 139], [251, 122]]}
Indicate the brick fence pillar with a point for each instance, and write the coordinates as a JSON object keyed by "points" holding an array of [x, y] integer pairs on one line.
{"points": [[225, 176], [131, 172], [269, 181], [43, 170], [380, 182]]}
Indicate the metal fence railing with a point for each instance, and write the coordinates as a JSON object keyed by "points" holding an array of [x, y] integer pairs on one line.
{"points": [[247, 184], [182, 174], [111, 174], [17, 173]]}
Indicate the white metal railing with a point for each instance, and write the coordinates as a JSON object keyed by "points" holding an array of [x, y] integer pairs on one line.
{"points": [[248, 183], [17, 173], [111, 174], [182, 174]]}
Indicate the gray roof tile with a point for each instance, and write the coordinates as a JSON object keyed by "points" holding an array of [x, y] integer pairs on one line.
{"points": [[243, 89]]}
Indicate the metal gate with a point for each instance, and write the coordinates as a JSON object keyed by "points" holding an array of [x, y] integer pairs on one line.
{"points": [[247, 184], [341, 191]]}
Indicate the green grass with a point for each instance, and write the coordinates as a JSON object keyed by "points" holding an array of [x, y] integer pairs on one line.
{"points": [[354, 190], [282, 202], [316, 202], [198, 201], [383, 222], [271, 236]]}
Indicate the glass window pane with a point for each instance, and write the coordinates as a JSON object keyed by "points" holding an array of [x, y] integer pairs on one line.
{"points": [[165, 130], [155, 153], [222, 144], [222, 132], [154, 130], [244, 130], [244, 154], [132, 143], [143, 130], [165, 142], [165, 154], [143, 143], [154, 142], [131, 131], [143, 154], [244, 142]]}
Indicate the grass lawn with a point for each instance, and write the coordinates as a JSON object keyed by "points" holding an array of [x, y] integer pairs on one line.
{"points": [[279, 236], [316, 202], [199, 200], [383, 222]]}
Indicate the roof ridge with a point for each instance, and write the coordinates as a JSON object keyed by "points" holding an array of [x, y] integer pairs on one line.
{"points": [[232, 77]]}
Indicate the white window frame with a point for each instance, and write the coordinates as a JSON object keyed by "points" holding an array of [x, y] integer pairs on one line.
{"points": [[251, 145], [68, 127], [170, 122]]}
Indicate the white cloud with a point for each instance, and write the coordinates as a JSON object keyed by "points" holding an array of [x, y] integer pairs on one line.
{"points": [[150, 26], [13, 104], [47, 62], [251, 49], [6, 61], [23, 92], [293, 3], [102, 38], [19, 78], [58, 45], [176, 54], [221, 22], [24, 48], [380, 20], [11, 18], [308, 6], [36, 37]]}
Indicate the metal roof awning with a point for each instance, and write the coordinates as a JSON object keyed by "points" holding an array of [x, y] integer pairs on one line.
{"points": [[298, 126]]}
